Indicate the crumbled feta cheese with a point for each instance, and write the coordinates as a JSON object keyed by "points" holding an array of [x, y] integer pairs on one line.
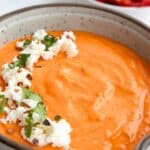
{"points": [[35, 49], [39, 34], [69, 34], [3, 120], [64, 44], [36, 117], [13, 92], [23, 120], [15, 114], [31, 103], [15, 59], [38, 134], [60, 136], [52, 51], [48, 54], [15, 75], [10, 102], [6, 109], [69, 47], [20, 44], [31, 61], [7, 73], [57, 134]]}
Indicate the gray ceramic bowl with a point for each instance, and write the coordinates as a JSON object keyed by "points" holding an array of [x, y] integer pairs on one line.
{"points": [[75, 17]]}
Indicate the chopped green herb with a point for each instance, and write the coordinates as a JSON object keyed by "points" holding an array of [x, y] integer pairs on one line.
{"points": [[27, 93], [40, 111], [28, 129], [23, 58], [14, 64], [29, 124], [57, 117], [40, 108], [49, 40], [21, 62], [2, 103], [35, 97], [26, 43]]}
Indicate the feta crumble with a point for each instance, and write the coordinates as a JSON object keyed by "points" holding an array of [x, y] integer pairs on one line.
{"points": [[57, 134], [13, 93], [31, 103], [20, 44], [34, 49], [37, 49], [64, 44], [61, 134], [17, 76], [39, 34], [15, 114]]}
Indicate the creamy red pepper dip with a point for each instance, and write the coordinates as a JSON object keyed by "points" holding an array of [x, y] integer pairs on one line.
{"points": [[103, 93]]}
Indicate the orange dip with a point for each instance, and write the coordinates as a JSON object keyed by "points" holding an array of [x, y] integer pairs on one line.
{"points": [[104, 93]]}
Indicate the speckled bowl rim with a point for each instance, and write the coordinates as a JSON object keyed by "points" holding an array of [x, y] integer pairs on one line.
{"points": [[12, 143], [88, 5]]}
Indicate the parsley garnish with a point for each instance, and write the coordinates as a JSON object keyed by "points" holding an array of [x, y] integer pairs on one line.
{"points": [[26, 43], [28, 93], [40, 111], [29, 124], [21, 62], [49, 40], [2, 103]]}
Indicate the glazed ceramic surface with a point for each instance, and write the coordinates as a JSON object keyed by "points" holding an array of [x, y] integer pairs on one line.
{"points": [[69, 17], [76, 17]]}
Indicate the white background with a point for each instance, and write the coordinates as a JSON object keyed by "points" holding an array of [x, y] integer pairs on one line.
{"points": [[142, 14]]}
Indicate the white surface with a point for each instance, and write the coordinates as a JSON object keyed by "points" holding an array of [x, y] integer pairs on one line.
{"points": [[142, 14]]}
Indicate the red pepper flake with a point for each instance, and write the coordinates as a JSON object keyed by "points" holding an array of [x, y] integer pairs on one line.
{"points": [[38, 66], [68, 37], [20, 83], [19, 71], [29, 76], [35, 141], [57, 118]]}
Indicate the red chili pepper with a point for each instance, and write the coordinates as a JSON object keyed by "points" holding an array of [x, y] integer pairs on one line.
{"points": [[138, 3]]}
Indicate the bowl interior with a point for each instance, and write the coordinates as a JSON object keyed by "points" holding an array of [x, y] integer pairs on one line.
{"points": [[70, 17]]}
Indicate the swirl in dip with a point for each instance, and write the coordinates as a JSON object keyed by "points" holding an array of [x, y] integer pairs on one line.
{"points": [[102, 93]]}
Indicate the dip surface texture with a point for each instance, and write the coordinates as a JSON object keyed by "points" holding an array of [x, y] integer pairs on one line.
{"points": [[103, 93]]}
